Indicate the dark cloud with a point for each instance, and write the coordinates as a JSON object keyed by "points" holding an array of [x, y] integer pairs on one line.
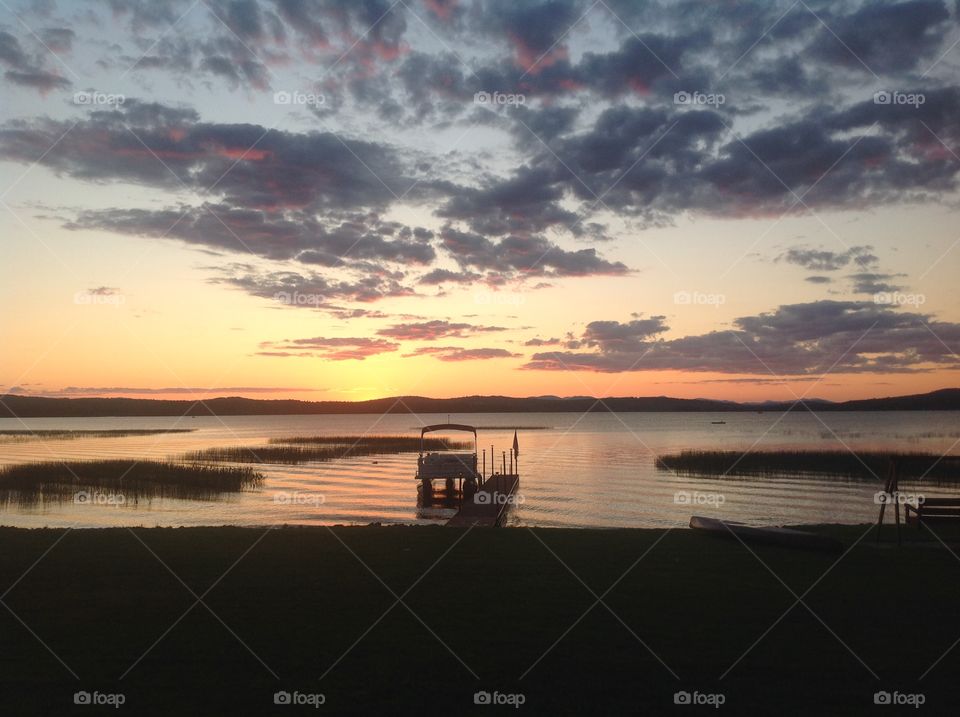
{"points": [[331, 349], [525, 256], [825, 260], [26, 70], [873, 283], [148, 13], [351, 244], [796, 339], [883, 36], [541, 342], [526, 202], [247, 165], [58, 39], [311, 290], [534, 32], [433, 330], [38, 80], [445, 276], [455, 353], [11, 53]]}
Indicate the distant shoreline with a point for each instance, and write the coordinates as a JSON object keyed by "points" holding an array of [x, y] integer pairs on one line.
{"points": [[19, 406]]}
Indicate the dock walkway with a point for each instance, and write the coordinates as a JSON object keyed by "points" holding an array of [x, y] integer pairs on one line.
{"points": [[489, 504]]}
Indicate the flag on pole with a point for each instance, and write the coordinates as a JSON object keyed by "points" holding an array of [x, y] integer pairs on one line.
{"points": [[516, 445]]}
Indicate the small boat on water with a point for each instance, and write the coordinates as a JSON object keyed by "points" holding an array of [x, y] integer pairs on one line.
{"points": [[786, 537], [719, 423], [452, 468]]}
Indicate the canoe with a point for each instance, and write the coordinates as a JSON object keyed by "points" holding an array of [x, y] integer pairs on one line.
{"points": [[786, 537]]}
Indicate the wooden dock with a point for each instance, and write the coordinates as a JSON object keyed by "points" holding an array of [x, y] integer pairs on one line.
{"points": [[489, 504]]}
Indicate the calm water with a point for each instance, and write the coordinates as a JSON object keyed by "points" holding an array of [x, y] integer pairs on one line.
{"points": [[592, 470]]}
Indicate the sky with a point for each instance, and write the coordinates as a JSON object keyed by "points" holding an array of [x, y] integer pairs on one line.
{"points": [[351, 199]]}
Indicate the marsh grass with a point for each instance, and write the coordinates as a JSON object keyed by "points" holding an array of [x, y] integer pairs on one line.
{"points": [[845, 464], [29, 483], [67, 435], [302, 449]]}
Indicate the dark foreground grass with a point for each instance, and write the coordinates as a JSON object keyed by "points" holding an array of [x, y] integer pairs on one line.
{"points": [[314, 610], [124, 480], [842, 463], [301, 449], [66, 435]]}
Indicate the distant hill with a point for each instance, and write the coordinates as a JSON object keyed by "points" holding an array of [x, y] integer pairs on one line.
{"points": [[947, 399]]}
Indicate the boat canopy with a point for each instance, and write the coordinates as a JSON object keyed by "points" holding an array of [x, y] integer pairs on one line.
{"points": [[448, 427]]}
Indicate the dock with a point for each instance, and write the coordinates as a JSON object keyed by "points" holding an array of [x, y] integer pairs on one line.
{"points": [[488, 506]]}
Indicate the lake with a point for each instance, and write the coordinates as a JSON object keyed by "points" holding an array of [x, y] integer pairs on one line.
{"points": [[587, 470]]}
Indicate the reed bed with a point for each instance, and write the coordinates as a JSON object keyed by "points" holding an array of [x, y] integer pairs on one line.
{"points": [[120, 481], [841, 463], [67, 435], [302, 449]]}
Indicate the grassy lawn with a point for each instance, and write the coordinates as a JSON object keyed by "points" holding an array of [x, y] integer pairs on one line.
{"points": [[304, 609]]}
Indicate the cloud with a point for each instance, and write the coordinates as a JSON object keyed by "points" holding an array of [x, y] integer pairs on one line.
{"points": [[824, 260], [310, 290], [455, 353], [245, 165], [104, 291], [433, 330], [58, 39], [445, 276], [69, 391], [541, 342], [884, 36], [873, 283], [28, 71], [330, 349], [795, 339], [516, 256]]}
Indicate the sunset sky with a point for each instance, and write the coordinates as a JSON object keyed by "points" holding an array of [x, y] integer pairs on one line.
{"points": [[336, 199]]}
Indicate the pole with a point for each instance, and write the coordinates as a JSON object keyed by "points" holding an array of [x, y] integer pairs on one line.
{"points": [[484, 474], [504, 461]]}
